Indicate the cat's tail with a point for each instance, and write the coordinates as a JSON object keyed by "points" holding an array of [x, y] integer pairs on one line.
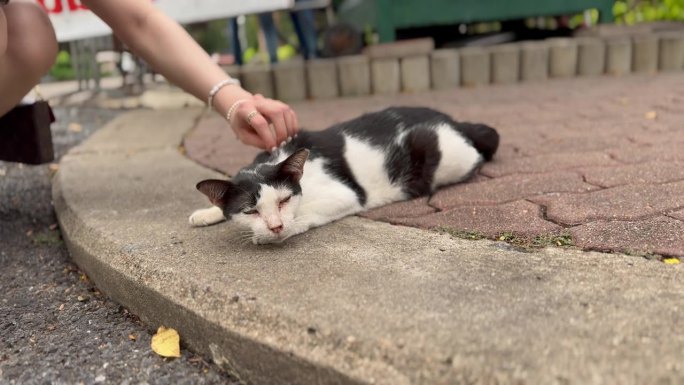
{"points": [[484, 138]]}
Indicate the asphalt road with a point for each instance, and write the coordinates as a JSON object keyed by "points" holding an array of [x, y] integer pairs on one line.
{"points": [[55, 326]]}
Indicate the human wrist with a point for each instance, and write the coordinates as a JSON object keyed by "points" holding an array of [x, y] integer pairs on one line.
{"points": [[218, 87], [227, 96]]}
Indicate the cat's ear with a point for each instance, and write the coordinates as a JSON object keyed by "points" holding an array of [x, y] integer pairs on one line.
{"points": [[293, 166], [218, 191]]}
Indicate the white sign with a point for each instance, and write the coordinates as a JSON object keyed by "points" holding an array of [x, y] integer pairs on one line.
{"points": [[73, 21]]}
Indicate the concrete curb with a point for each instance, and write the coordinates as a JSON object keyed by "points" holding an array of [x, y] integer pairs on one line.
{"points": [[386, 76], [591, 60], [645, 50], [618, 56], [354, 302], [635, 49], [505, 64], [475, 66], [534, 61], [290, 81], [562, 57]]}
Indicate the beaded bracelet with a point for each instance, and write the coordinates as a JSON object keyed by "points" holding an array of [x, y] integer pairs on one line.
{"points": [[232, 109], [217, 88]]}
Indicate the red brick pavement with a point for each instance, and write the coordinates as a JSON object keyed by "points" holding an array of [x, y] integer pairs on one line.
{"points": [[601, 159]]}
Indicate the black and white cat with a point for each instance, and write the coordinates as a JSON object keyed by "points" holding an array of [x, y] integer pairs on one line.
{"points": [[318, 177]]}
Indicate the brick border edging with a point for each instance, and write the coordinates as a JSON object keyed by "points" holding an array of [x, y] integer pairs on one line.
{"points": [[423, 68]]}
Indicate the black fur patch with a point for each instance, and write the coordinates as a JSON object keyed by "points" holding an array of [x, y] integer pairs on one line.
{"points": [[244, 197], [329, 144], [248, 184], [422, 146], [485, 139]]}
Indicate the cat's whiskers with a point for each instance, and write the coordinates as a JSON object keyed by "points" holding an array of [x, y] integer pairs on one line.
{"points": [[244, 240], [242, 236]]}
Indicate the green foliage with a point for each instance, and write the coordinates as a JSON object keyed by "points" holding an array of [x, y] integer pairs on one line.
{"points": [[62, 70], [637, 11], [462, 234], [545, 240], [537, 242], [51, 238], [284, 53], [579, 19], [249, 53], [252, 31], [212, 35]]}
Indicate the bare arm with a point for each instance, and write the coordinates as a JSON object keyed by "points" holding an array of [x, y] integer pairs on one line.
{"points": [[165, 45]]}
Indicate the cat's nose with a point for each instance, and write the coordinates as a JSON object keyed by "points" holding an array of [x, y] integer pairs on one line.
{"points": [[276, 229]]}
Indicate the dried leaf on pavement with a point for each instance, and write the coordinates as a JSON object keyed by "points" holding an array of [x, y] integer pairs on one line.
{"points": [[166, 342], [74, 127]]}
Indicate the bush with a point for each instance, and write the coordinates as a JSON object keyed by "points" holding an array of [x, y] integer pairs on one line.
{"points": [[62, 70], [637, 11]]}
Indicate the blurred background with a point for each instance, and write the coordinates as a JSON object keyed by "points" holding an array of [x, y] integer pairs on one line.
{"points": [[306, 29]]}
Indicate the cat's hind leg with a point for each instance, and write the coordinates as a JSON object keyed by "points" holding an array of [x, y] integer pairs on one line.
{"points": [[484, 138], [206, 217], [459, 157]]}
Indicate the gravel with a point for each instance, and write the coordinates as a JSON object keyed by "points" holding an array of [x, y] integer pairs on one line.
{"points": [[55, 326]]}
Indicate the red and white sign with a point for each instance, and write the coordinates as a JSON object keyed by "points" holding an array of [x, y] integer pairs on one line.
{"points": [[73, 21]]}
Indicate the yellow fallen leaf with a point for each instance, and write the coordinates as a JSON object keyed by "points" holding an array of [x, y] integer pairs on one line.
{"points": [[166, 342], [671, 261], [651, 115], [74, 127]]}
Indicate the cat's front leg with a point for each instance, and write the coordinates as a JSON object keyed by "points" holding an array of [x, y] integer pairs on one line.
{"points": [[302, 225], [298, 228], [206, 217]]}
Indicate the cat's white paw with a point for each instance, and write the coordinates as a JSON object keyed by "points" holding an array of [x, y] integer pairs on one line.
{"points": [[206, 217]]}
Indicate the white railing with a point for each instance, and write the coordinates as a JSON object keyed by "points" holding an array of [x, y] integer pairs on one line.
{"points": [[72, 21]]}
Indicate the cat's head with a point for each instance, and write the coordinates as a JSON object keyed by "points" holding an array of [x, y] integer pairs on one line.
{"points": [[263, 199]]}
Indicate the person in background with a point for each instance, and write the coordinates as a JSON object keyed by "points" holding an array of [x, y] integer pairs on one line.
{"points": [[303, 23], [304, 26], [28, 48]]}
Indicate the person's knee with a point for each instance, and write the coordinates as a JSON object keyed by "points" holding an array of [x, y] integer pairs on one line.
{"points": [[30, 37]]}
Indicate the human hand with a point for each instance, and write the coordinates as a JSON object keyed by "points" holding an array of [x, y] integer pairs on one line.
{"points": [[264, 122]]}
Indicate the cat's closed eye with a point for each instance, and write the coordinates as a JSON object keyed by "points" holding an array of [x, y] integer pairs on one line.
{"points": [[284, 201], [250, 212]]}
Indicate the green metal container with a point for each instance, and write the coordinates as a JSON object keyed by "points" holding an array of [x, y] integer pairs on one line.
{"points": [[386, 16]]}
